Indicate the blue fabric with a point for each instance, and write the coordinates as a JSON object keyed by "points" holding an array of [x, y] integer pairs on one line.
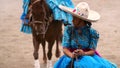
{"points": [[63, 62], [69, 39], [85, 62], [24, 28], [58, 13], [94, 61]]}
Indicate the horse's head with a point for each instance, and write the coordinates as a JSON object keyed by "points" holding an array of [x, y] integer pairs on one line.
{"points": [[39, 21], [38, 27]]}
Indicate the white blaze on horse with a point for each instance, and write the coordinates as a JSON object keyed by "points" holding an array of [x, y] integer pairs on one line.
{"points": [[44, 29]]}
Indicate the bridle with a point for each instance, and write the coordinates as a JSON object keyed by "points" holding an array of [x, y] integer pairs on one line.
{"points": [[45, 23], [45, 26], [33, 3]]}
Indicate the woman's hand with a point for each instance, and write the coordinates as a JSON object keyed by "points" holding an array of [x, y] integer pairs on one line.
{"points": [[74, 55], [68, 53], [79, 52]]}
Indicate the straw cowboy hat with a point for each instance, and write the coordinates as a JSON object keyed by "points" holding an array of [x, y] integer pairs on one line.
{"points": [[82, 11]]}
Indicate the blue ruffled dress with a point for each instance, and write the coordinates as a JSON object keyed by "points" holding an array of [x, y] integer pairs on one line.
{"points": [[57, 12], [88, 40], [24, 28]]}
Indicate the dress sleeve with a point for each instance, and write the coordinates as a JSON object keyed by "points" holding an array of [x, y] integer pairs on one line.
{"points": [[94, 36], [66, 37]]}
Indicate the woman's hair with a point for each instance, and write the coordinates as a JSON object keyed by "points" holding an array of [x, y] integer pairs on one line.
{"points": [[88, 23]]}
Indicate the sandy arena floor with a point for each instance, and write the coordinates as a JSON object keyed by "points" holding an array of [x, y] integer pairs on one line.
{"points": [[16, 48]]}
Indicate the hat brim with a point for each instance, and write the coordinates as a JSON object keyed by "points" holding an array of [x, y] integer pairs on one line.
{"points": [[92, 17]]}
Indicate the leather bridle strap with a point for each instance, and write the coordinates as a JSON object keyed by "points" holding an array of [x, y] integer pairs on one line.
{"points": [[33, 4]]}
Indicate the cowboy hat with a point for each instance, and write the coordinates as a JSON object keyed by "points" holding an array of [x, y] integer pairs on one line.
{"points": [[82, 11]]}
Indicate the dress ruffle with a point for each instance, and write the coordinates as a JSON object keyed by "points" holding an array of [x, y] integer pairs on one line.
{"points": [[85, 62], [25, 28], [58, 13]]}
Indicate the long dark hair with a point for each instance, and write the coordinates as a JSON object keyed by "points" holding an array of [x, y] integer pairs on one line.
{"points": [[89, 24]]}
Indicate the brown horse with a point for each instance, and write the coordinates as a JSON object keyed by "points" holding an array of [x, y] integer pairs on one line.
{"points": [[44, 28]]}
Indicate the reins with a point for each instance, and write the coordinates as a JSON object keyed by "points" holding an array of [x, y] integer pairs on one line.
{"points": [[79, 47], [77, 42]]}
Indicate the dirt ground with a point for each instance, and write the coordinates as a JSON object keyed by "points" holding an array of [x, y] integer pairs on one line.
{"points": [[16, 48]]}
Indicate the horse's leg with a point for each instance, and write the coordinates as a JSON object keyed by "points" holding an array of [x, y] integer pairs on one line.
{"points": [[44, 52], [58, 41], [58, 37], [35, 54], [57, 48], [50, 46], [49, 54]]}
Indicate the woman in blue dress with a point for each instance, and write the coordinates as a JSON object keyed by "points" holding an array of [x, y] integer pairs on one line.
{"points": [[80, 41]]}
